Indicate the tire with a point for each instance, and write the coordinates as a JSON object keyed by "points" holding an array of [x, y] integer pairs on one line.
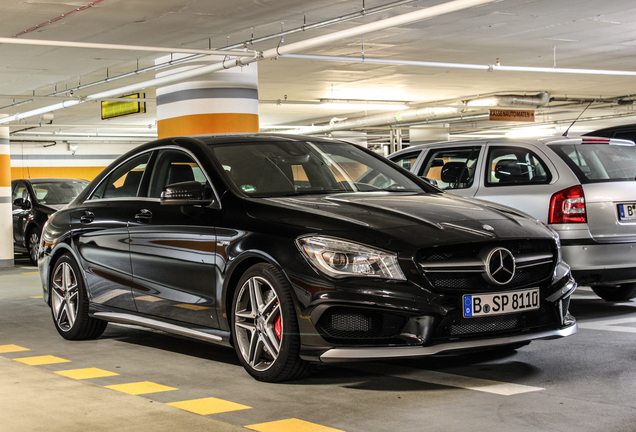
{"points": [[616, 293], [265, 327], [69, 302], [33, 245]]}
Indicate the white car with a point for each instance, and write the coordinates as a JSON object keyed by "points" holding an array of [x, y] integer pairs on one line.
{"points": [[584, 188]]}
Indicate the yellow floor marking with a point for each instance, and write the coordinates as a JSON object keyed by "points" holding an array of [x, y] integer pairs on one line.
{"points": [[208, 405], [36, 297], [291, 425], [11, 348], [41, 360], [86, 373], [192, 307], [140, 388], [30, 272]]}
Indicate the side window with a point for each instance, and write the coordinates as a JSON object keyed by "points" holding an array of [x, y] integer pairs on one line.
{"points": [[515, 165], [123, 181], [174, 166], [20, 191], [452, 168], [407, 160]]}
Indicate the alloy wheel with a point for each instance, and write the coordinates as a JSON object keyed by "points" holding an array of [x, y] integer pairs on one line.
{"points": [[258, 323], [64, 296], [34, 246]]}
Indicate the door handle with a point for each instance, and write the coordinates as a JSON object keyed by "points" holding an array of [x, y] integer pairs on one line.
{"points": [[87, 217], [144, 214]]}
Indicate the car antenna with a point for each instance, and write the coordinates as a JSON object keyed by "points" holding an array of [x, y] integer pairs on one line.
{"points": [[565, 134]]}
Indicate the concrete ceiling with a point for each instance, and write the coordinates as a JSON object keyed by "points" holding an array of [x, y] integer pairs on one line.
{"points": [[580, 34]]}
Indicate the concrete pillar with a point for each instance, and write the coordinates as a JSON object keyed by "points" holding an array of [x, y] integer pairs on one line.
{"points": [[221, 102], [6, 220]]}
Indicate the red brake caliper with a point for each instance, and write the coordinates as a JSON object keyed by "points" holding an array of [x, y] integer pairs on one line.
{"points": [[278, 327]]}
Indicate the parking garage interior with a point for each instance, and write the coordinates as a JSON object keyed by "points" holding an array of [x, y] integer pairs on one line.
{"points": [[82, 83]]}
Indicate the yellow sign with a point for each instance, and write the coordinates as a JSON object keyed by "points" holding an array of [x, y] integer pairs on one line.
{"points": [[111, 109], [511, 115]]}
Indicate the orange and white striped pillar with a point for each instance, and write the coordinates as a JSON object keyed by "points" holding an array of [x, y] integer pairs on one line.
{"points": [[221, 102], [6, 220]]}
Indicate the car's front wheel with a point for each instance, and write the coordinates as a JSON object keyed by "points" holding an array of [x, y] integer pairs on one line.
{"points": [[69, 302], [616, 293], [265, 327]]}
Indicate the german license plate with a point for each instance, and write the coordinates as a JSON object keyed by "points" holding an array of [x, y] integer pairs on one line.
{"points": [[500, 303], [627, 212]]}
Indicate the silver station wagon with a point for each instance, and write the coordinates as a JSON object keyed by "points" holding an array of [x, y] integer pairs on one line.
{"points": [[584, 188]]}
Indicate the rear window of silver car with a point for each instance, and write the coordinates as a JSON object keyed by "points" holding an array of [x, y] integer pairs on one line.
{"points": [[597, 163]]}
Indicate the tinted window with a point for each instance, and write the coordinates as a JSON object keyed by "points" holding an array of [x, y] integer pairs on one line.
{"points": [[595, 163], [20, 191], [293, 168], [173, 166], [515, 166], [407, 160], [452, 168], [123, 181], [57, 193]]}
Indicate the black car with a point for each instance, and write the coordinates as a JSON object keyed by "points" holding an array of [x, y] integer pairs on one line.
{"points": [[269, 243], [34, 201]]}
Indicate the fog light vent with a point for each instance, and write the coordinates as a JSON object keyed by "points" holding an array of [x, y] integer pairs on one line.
{"points": [[360, 324]]}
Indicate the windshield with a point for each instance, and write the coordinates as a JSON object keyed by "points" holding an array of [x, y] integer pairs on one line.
{"points": [[596, 163], [58, 193], [304, 167]]}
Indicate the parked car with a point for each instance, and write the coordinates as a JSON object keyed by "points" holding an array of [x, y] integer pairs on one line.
{"points": [[34, 201], [627, 132], [270, 244], [584, 188]]}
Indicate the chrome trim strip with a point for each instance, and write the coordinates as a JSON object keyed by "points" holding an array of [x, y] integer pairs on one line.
{"points": [[341, 354], [123, 318]]}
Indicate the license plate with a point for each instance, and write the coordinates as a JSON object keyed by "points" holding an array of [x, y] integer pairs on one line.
{"points": [[500, 303], [626, 212]]}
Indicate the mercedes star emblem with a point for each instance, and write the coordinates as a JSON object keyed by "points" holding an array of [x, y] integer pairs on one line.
{"points": [[500, 266]]}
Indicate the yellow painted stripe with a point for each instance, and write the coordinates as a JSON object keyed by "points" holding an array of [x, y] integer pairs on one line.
{"points": [[41, 360], [208, 405], [5, 164], [86, 173], [30, 272], [86, 373], [36, 297], [206, 124], [291, 425], [140, 388], [12, 348]]}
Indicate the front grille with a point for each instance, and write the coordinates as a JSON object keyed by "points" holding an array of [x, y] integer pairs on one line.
{"points": [[462, 268], [454, 325], [359, 325]]}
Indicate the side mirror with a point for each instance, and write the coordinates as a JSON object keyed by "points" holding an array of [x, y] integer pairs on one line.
{"points": [[430, 181], [18, 202], [185, 193]]}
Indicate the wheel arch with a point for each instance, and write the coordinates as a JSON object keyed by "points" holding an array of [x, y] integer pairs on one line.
{"points": [[60, 249]]}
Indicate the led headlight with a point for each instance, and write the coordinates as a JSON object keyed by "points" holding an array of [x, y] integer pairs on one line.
{"points": [[340, 258]]}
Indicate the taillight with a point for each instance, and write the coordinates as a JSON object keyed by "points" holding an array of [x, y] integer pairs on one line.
{"points": [[595, 141], [568, 206]]}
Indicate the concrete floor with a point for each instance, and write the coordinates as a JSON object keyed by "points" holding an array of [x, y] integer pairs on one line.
{"points": [[586, 382]]}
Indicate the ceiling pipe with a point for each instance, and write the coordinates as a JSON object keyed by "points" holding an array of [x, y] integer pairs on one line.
{"points": [[511, 100], [430, 12]]}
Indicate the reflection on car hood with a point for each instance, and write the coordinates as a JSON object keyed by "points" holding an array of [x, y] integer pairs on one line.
{"points": [[432, 215]]}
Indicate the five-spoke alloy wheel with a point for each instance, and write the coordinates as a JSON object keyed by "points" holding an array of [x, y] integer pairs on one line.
{"points": [[265, 328]]}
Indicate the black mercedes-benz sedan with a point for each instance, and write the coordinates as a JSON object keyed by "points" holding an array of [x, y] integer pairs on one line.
{"points": [[296, 250]]}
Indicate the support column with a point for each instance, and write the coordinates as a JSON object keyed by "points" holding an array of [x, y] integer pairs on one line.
{"points": [[6, 219], [221, 102]]}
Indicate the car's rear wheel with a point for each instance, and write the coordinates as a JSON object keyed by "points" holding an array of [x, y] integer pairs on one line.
{"points": [[33, 245], [615, 293], [69, 302], [265, 327]]}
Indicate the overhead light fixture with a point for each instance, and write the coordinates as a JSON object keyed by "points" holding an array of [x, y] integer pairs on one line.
{"points": [[532, 132], [356, 104]]}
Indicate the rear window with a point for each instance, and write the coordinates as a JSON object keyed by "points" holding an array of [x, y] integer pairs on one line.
{"points": [[597, 163]]}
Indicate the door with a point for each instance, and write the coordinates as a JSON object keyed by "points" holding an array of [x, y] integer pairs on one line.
{"points": [[173, 247], [101, 234]]}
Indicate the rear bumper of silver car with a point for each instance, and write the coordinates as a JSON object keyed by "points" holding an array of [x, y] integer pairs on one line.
{"points": [[370, 353], [598, 263]]}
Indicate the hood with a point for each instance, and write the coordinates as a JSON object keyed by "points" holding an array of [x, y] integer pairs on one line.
{"points": [[434, 218]]}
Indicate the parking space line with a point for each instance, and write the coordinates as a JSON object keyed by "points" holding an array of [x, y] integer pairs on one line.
{"points": [[139, 388], [12, 348], [291, 425], [610, 325], [452, 380], [41, 360], [209, 405], [86, 373]]}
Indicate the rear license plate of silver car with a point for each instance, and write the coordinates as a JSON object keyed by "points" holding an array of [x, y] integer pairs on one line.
{"points": [[627, 212]]}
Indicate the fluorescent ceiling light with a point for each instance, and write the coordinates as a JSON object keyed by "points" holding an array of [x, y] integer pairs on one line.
{"points": [[362, 105], [531, 132]]}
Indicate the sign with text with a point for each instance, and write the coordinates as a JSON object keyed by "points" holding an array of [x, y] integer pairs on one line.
{"points": [[112, 109], [511, 115]]}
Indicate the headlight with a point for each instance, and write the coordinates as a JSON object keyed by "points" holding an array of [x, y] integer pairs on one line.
{"points": [[340, 258]]}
